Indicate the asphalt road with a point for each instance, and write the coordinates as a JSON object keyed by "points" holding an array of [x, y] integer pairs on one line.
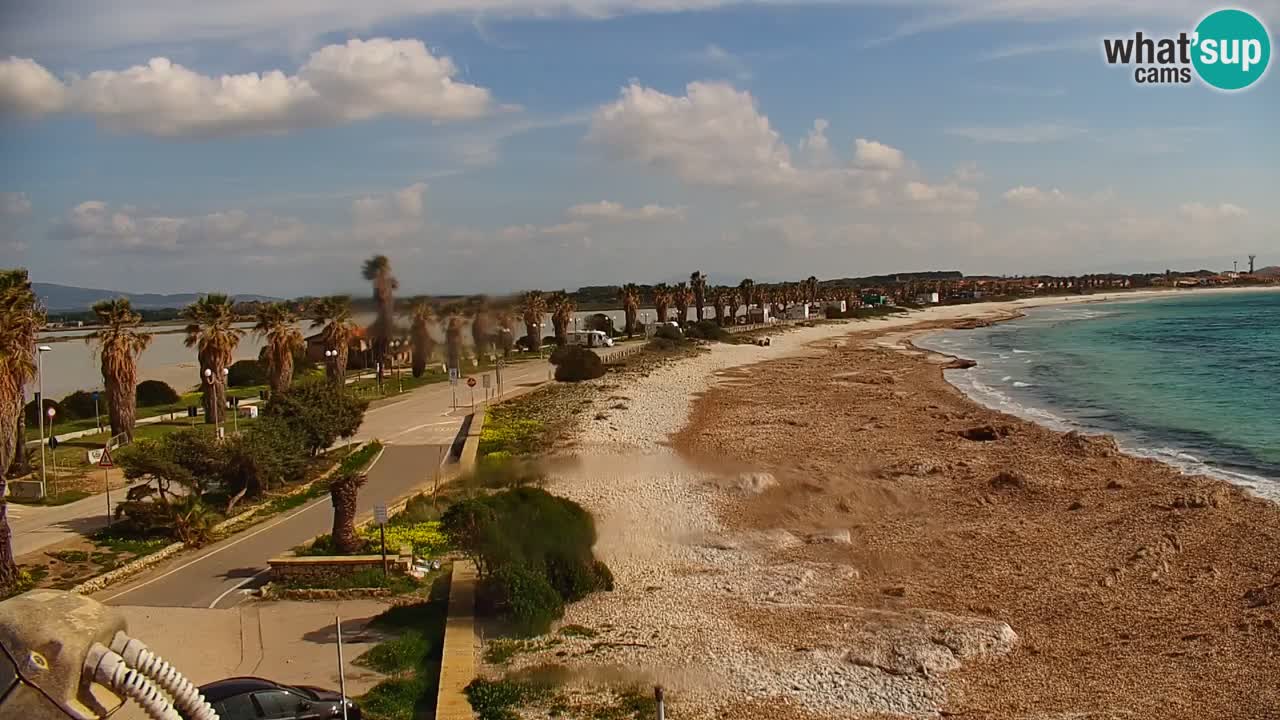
{"points": [[212, 576], [416, 430]]}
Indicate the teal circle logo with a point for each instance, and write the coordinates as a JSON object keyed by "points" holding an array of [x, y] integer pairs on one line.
{"points": [[1232, 49]]}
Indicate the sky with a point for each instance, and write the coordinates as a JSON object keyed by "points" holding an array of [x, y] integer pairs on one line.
{"points": [[496, 145]]}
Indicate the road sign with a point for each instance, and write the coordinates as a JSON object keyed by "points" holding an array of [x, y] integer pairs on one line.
{"points": [[380, 514], [453, 374], [471, 382], [105, 460], [485, 377]]}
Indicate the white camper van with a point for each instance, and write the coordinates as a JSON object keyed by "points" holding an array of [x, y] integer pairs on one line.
{"points": [[590, 338]]}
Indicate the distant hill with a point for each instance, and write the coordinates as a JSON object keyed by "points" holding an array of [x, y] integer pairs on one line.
{"points": [[68, 298], [1270, 271]]}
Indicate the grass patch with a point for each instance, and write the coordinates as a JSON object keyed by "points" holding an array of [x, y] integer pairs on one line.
{"points": [[529, 424], [62, 498], [118, 542], [497, 699], [501, 650], [412, 657], [425, 539], [28, 577], [372, 578], [578, 631]]}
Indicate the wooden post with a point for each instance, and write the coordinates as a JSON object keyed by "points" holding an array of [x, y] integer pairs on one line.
{"points": [[657, 696]]}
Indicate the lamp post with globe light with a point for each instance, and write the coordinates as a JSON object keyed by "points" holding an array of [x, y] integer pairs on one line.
{"points": [[213, 379], [40, 351], [331, 357]]}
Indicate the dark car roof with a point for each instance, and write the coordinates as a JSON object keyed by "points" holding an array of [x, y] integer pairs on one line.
{"points": [[223, 689]]}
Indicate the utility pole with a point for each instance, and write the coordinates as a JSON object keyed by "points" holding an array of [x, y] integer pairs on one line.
{"points": [[1251, 259]]}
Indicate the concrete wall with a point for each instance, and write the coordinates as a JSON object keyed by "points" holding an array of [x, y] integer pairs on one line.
{"points": [[322, 567]]}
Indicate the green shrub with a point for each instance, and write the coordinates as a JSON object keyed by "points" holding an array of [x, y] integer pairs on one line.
{"points": [[151, 393], [80, 404], [246, 373], [318, 411], [32, 415], [575, 363], [707, 330], [525, 597], [406, 652], [397, 699], [534, 548], [494, 699], [668, 332]]}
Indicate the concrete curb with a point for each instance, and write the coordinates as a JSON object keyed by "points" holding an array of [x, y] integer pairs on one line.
{"points": [[458, 657]]}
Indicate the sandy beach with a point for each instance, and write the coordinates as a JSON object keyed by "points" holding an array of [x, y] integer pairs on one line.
{"points": [[827, 529]]}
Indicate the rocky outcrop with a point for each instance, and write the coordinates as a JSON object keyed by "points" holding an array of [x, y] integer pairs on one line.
{"points": [[926, 643]]}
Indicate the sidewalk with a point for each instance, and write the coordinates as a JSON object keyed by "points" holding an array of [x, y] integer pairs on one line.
{"points": [[288, 642], [39, 526]]}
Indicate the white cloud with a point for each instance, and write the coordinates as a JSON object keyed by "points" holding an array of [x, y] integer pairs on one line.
{"points": [[969, 173], [338, 84], [946, 197], [1018, 135], [607, 211], [14, 204], [1034, 197], [713, 135], [872, 155], [391, 217], [816, 147], [14, 209], [1200, 212], [97, 228]]}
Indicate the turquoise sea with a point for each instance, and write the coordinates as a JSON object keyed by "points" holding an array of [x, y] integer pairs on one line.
{"points": [[1192, 380]]}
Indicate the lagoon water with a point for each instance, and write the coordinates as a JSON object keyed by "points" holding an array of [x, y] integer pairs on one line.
{"points": [[1191, 380]]}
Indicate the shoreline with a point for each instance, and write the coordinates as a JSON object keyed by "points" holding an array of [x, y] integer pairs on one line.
{"points": [[1262, 486], [754, 523]]}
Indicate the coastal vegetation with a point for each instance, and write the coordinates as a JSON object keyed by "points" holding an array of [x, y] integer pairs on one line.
{"points": [[119, 343]]}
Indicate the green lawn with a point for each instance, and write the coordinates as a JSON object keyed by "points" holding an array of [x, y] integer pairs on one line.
{"points": [[73, 454], [62, 427]]}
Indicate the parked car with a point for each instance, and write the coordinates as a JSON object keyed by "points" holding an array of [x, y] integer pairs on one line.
{"points": [[250, 698]]}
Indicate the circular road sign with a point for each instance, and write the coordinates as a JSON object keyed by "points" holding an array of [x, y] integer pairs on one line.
{"points": [[471, 382]]}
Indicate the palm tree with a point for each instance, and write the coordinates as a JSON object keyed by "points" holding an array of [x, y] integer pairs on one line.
{"points": [[278, 326], [747, 293], [453, 326], [20, 319], [344, 490], [720, 299], [661, 300], [377, 270], [507, 320], [212, 332], [422, 316], [811, 290], [561, 307], [481, 327], [698, 283], [533, 306], [118, 345], [681, 297], [629, 294], [333, 314]]}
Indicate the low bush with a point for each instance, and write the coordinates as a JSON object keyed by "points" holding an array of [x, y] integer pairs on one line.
{"points": [[668, 332], [707, 330], [156, 392], [398, 698], [32, 415], [80, 404], [525, 597], [246, 373], [534, 550], [575, 363], [495, 699]]}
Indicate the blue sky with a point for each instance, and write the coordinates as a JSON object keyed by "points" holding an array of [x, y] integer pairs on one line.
{"points": [[492, 145]]}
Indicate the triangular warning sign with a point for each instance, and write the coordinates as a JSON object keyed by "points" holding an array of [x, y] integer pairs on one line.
{"points": [[105, 462]]}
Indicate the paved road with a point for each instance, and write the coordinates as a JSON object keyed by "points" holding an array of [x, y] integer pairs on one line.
{"points": [[37, 526], [416, 430], [212, 576]]}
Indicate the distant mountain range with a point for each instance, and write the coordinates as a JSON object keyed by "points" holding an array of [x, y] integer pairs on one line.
{"points": [[68, 298], [1269, 271]]}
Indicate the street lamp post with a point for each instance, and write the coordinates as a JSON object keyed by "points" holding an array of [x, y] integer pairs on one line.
{"points": [[40, 351], [331, 358], [213, 406], [53, 446]]}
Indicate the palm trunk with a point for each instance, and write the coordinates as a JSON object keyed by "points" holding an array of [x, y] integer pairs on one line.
{"points": [[630, 313], [345, 491], [10, 410], [535, 339], [719, 310], [18, 466], [421, 349], [213, 390], [119, 380], [282, 372]]}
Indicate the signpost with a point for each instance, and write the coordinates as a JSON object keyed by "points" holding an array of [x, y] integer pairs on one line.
{"points": [[105, 463], [471, 383], [96, 415], [453, 385], [485, 378], [342, 672], [380, 517]]}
